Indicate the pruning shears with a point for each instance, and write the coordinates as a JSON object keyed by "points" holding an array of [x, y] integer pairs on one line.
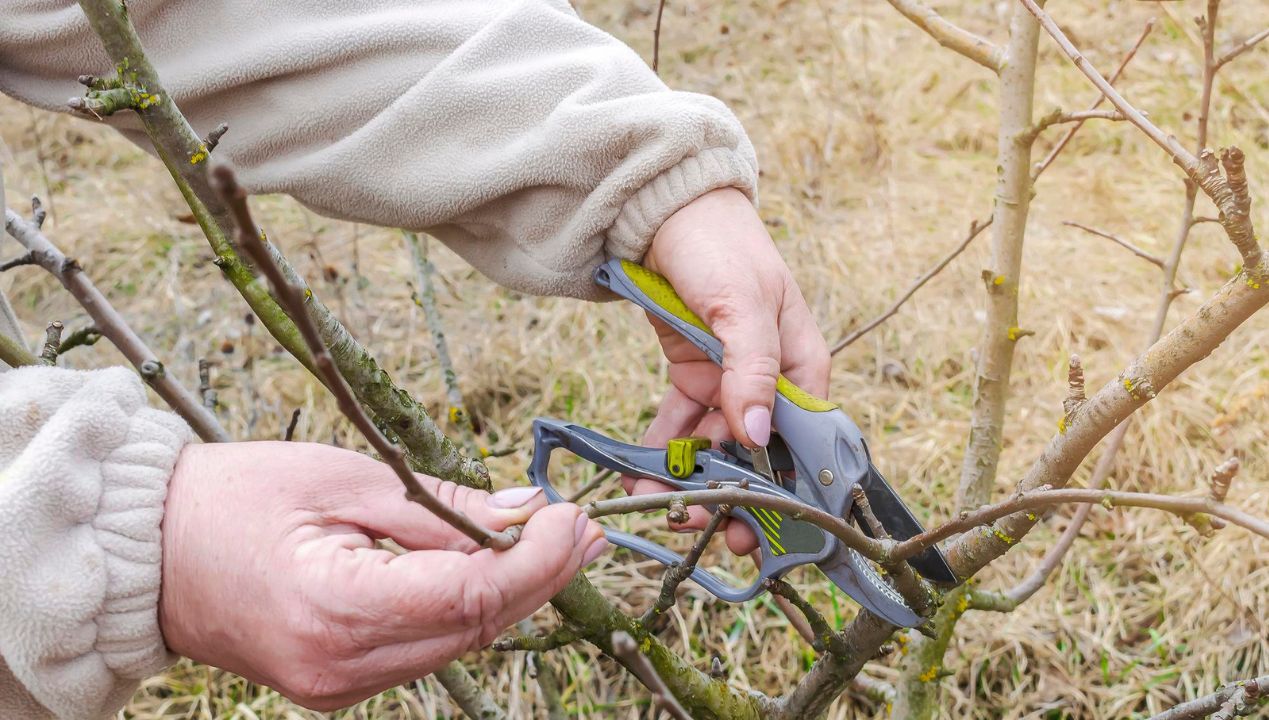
{"points": [[817, 456]]}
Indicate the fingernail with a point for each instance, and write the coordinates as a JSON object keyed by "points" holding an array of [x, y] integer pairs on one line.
{"points": [[512, 497], [596, 549], [579, 529], [758, 425]]}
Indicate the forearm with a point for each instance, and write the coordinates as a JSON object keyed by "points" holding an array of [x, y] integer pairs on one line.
{"points": [[529, 141]]}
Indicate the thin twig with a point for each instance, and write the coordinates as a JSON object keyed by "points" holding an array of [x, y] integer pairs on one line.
{"points": [[82, 337], [678, 572], [626, 650], [289, 434], [1152, 259], [425, 298], [1061, 144], [975, 229], [600, 478], [293, 301], [205, 389], [656, 39], [1109, 498], [52, 343], [1059, 117], [26, 259], [113, 326], [1179, 154], [555, 639], [873, 549], [1242, 47], [823, 636]]}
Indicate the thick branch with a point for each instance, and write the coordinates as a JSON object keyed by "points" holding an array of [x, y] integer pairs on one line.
{"points": [[1202, 707], [975, 47], [1188, 343], [625, 648], [185, 154], [14, 355], [111, 324], [292, 300], [1003, 278], [467, 694]]}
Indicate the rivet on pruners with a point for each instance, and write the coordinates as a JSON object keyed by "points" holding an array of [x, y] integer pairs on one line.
{"points": [[826, 477]]}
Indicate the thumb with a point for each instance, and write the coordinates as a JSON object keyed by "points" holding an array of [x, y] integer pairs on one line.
{"points": [[751, 365], [388, 512]]}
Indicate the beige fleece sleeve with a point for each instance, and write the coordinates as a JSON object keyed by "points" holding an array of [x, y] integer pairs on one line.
{"points": [[84, 466], [529, 141]]}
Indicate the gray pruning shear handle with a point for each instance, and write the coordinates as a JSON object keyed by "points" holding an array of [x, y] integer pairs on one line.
{"points": [[817, 456]]}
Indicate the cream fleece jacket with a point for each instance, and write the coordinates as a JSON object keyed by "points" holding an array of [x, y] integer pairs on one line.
{"points": [[528, 141], [84, 466]]}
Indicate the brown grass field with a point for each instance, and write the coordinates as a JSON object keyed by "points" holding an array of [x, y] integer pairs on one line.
{"points": [[877, 149]]}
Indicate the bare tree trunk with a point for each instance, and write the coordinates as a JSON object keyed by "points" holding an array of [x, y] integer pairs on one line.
{"points": [[1003, 277]]}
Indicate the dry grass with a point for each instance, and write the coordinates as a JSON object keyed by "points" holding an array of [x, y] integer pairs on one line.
{"points": [[877, 148]]}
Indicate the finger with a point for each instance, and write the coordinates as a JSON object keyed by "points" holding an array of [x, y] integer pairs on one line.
{"points": [[740, 538], [435, 593], [751, 363], [803, 352], [384, 511]]}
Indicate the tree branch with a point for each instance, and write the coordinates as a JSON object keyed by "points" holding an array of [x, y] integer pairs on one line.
{"points": [[627, 650], [467, 694], [425, 298], [113, 326], [292, 300], [1061, 144], [1041, 498], [1241, 48], [873, 549], [1003, 277], [678, 572], [52, 343], [14, 355], [1253, 690], [185, 154], [954, 38]]}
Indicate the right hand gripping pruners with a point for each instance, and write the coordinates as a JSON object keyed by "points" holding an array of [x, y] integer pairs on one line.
{"points": [[816, 457]]}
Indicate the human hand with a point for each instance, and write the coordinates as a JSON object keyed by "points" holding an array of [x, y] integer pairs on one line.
{"points": [[720, 259], [270, 568]]}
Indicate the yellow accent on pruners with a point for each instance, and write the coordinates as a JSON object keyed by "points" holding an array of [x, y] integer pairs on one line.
{"points": [[659, 290], [680, 455]]}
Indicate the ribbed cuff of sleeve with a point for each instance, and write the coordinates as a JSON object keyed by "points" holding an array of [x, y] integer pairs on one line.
{"points": [[81, 502], [654, 203]]}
